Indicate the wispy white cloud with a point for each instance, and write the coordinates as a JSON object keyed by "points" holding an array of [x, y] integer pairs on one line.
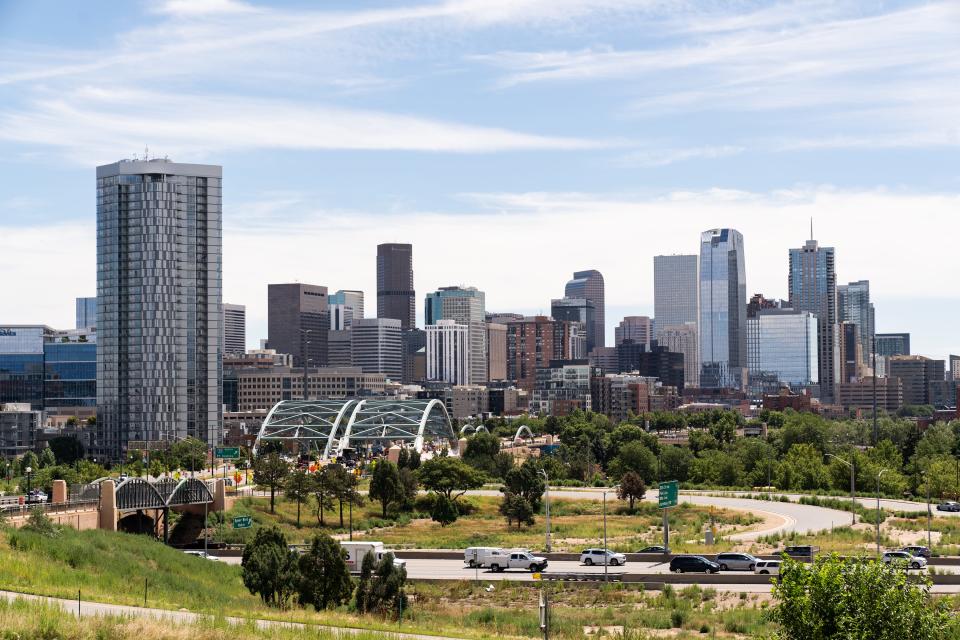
{"points": [[194, 8], [668, 156], [95, 124]]}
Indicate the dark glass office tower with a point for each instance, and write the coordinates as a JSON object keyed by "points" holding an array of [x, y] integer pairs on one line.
{"points": [[298, 322], [159, 333], [395, 295], [589, 285]]}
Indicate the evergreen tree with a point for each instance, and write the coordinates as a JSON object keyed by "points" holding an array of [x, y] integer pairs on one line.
{"points": [[270, 567], [324, 579]]}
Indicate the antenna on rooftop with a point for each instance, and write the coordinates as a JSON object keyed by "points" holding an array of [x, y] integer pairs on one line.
{"points": [[146, 152], [811, 227]]}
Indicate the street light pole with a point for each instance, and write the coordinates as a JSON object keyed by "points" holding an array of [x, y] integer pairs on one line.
{"points": [[606, 560], [926, 480], [853, 487], [546, 492], [305, 359], [876, 432], [882, 471]]}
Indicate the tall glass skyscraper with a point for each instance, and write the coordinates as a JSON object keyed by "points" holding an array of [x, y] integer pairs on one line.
{"points": [[86, 313], [159, 333], [782, 344], [589, 285], [723, 310], [813, 288], [853, 305]]}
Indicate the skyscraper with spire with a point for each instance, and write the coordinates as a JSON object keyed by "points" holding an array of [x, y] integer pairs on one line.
{"points": [[812, 283]]}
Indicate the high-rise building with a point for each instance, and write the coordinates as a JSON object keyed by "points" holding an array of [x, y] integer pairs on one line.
{"points": [[589, 285], [344, 306], [448, 352], [656, 362], [954, 364], [675, 291], [682, 338], [636, 328], [396, 297], [22, 364], [86, 313], [853, 305], [340, 348], [917, 373], [159, 332], [234, 329], [533, 342], [813, 288], [561, 387], [580, 311], [782, 348], [378, 346], [893, 344], [849, 352], [414, 355], [466, 306], [605, 359], [723, 310], [298, 322], [496, 351]]}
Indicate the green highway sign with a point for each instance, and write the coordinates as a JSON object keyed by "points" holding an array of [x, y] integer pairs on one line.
{"points": [[669, 492], [227, 453], [242, 522]]}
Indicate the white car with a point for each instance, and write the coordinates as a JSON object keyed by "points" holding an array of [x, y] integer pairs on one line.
{"points": [[902, 557], [202, 554], [767, 567], [601, 557]]}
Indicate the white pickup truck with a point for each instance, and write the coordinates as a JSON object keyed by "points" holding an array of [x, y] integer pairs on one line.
{"points": [[357, 551], [518, 560]]}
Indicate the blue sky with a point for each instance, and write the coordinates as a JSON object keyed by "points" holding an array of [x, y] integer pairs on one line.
{"points": [[512, 142]]}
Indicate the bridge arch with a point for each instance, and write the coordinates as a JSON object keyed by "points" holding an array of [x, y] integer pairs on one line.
{"points": [[522, 428], [313, 425], [136, 494], [470, 428]]}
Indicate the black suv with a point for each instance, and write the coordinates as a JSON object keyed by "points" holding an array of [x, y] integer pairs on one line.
{"points": [[693, 564]]}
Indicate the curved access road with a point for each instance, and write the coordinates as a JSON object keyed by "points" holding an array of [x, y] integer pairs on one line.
{"points": [[779, 517]]}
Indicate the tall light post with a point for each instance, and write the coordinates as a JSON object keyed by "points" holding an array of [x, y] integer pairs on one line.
{"points": [[882, 471], [28, 472], [926, 480], [853, 487], [876, 431], [546, 502], [606, 552]]}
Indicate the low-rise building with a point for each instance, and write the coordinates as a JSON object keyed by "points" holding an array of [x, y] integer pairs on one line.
{"points": [[860, 394], [562, 387], [261, 389], [20, 427]]}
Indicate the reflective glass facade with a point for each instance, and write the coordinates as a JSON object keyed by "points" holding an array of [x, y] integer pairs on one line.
{"points": [[70, 374], [466, 306], [159, 300], [813, 288], [86, 313], [723, 310], [783, 343], [21, 364], [589, 284]]}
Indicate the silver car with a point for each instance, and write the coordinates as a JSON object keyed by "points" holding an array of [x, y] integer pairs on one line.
{"points": [[904, 558], [736, 561], [601, 557]]}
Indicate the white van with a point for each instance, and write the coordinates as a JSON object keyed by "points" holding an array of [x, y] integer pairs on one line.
{"points": [[481, 556], [357, 551]]}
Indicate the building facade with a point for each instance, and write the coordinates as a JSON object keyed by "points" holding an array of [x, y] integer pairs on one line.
{"points": [[812, 283], [352, 302], [854, 306], [535, 341], [656, 362], [234, 329], [159, 313], [860, 394], [260, 389], [917, 374], [682, 338], [496, 351], [636, 328], [850, 352], [723, 310], [396, 297], [86, 313], [298, 322], [22, 364], [675, 290], [782, 347], [466, 306], [893, 344], [448, 352], [579, 310], [562, 387], [589, 285], [378, 346]]}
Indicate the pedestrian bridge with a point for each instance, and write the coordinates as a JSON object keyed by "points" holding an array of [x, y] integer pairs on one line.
{"points": [[137, 494], [332, 426]]}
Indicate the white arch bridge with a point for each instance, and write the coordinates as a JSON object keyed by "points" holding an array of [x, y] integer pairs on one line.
{"points": [[329, 427]]}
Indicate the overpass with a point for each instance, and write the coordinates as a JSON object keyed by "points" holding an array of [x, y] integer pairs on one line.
{"points": [[111, 505]]}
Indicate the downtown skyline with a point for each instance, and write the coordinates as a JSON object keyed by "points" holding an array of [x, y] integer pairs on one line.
{"points": [[571, 152]]}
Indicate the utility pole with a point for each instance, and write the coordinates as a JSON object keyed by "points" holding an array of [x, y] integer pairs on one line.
{"points": [[306, 360], [882, 471], [546, 491], [853, 486]]}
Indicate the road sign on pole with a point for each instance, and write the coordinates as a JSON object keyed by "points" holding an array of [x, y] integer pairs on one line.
{"points": [[226, 453], [242, 522], [669, 493]]}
